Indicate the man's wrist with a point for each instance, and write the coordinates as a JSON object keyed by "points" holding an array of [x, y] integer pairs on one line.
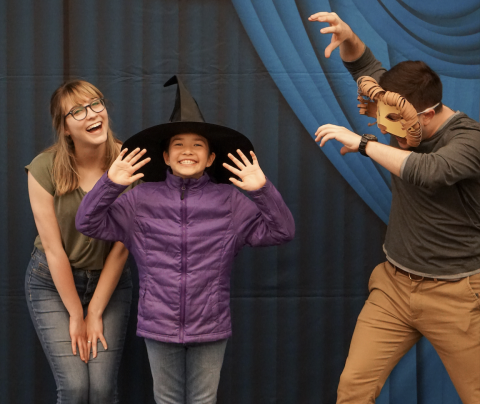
{"points": [[353, 48]]}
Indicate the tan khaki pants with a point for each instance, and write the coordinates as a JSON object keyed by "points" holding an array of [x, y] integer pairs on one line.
{"points": [[395, 316]]}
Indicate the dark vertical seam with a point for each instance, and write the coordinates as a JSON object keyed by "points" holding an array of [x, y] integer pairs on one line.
{"points": [[66, 40]]}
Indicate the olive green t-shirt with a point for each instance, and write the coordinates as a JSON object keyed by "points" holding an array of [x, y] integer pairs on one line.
{"points": [[83, 252]]}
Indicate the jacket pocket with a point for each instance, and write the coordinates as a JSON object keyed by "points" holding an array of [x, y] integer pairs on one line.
{"points": [[211, 308], [215, 308], [141, 297]]}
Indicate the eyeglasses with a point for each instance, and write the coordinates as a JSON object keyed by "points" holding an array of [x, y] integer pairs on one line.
{"points": [[79, 113]]}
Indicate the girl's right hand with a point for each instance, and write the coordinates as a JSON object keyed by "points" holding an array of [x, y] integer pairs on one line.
{"points": [[78, 335], [122, 169]]}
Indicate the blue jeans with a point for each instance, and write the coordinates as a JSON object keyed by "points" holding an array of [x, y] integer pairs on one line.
{"points": [[185, 373], [77, 382]]}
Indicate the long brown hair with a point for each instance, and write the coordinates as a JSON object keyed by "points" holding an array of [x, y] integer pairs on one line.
{"points": [[64, 171]]}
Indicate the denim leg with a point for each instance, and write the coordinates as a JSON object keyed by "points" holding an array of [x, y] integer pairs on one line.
{"points": [[77, 382], [204, 363], [167, 363], [51, 321], [103, 370]]}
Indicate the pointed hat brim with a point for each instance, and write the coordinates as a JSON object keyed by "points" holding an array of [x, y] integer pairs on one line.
{"points": [[223, 140]]}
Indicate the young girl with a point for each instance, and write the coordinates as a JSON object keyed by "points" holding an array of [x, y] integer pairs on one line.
{"points": [[184, 233], [77, 289]]}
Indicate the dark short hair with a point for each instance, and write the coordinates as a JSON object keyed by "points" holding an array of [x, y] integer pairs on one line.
{"points": [[415, 81], [166, 144]]}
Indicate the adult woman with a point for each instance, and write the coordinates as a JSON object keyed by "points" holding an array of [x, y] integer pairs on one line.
{"points": [[77, 289]]}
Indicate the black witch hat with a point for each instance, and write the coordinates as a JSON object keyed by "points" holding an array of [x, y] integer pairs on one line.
{"points": [[187, 118]]}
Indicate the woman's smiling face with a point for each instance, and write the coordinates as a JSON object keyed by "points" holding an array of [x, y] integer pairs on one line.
{"points": [[188, 155], [90, 131]]}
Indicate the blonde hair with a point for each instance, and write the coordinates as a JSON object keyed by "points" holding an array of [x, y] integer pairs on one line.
{"points": [[64, 172]]}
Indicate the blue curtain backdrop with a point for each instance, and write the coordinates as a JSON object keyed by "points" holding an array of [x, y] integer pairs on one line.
{"points": [[444, 34], [258, 67]]}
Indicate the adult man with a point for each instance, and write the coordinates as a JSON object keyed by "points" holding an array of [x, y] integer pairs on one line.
{"points": [[430, 283]]}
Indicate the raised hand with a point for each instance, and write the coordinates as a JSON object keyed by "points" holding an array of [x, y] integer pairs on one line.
{"points": [[342, 35], [350, 140], [122, 169], [251, 175]]}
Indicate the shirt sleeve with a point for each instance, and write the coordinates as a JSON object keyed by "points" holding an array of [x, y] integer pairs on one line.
{"points": [[105, 216], [365, 65], [265, 219], [41, 169], [457, 160]]}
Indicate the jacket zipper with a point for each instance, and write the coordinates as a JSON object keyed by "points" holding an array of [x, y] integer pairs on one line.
{"points": [[184, 264]]}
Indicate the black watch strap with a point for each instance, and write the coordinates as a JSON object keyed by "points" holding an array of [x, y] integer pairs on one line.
{"points": [[363, 143]]}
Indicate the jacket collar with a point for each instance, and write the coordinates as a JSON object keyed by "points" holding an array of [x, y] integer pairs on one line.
{"points": [[191, 184]]}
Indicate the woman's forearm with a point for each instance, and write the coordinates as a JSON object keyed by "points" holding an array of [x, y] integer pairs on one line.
{"points": [[111, 272], [62, 276]]}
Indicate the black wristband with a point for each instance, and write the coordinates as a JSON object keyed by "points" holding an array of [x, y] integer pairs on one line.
{"points": [[363, 143]]}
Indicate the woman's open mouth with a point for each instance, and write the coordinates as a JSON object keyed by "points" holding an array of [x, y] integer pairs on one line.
{"points": [[97, 126]]}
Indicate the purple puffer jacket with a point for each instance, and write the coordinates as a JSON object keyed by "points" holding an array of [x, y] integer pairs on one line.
{"points": [[184, 234]]}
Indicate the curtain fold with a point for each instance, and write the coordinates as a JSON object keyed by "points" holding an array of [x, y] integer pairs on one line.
{"points": [[294, 67]]}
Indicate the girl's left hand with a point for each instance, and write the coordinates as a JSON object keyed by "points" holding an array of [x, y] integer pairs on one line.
{"points": [[94, 333], [251, 175]]}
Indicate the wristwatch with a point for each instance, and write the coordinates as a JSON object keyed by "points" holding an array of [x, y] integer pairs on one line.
{"points": [[363, 143]]}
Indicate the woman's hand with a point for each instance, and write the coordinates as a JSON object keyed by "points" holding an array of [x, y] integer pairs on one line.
{"points": [[251, 175], [78, 335], [122, 169], [95, 333]]}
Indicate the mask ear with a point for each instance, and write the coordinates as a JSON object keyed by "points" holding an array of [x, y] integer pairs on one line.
{"points": [[367, 107], [166, 157]]}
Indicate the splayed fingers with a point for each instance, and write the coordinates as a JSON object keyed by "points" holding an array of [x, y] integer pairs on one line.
{"points": [[123, 169], [250, 173]]}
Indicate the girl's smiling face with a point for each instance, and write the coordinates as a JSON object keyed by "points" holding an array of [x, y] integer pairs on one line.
{"points": [[188, 155]]}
